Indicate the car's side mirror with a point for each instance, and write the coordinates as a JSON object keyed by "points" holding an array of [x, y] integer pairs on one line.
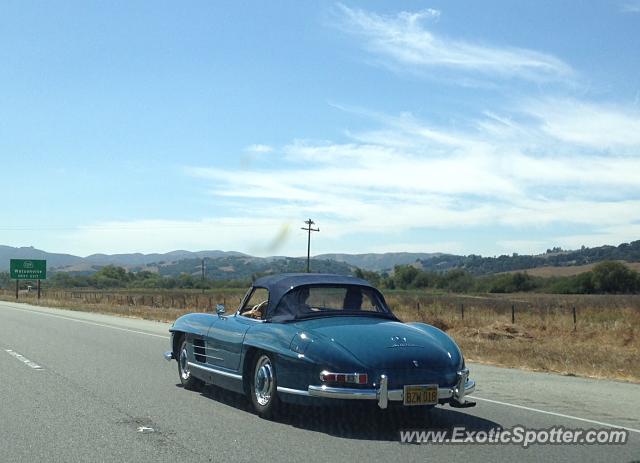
{"points": [[219, 309]]}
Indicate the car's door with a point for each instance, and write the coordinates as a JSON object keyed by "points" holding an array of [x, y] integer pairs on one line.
{"points": [[226, 334], [224, 342]]}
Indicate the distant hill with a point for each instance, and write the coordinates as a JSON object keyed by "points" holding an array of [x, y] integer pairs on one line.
{"points": [[478, 265], [138, 259], [70, 262], [232, 265], [53, 259], [379, 262], [172, 260], [219, 264], [238, 267]]}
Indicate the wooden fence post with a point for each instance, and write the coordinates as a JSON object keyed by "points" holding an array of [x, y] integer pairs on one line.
{"points": [[513, 313], [462, 310], [575, 326]]}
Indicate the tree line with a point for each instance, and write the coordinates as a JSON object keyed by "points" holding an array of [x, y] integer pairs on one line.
{"points": [[608, 277], [478, 265], [112, 277]]}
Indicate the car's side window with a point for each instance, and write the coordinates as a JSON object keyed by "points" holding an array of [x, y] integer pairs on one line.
{"points": [[256, 304]]}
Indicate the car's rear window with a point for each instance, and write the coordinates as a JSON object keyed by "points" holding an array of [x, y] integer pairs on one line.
{"points": [[329, 299], [341, 298]]}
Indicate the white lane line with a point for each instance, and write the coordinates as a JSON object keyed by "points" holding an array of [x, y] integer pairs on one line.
{"points": [[85, 321], [23, 359], [561, 415]]}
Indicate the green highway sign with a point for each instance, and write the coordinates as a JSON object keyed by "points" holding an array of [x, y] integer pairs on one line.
{"points": [[28, 269]]}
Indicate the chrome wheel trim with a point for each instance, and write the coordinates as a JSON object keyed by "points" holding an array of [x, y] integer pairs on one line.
{"points": [[185, 374], [263, 381]]}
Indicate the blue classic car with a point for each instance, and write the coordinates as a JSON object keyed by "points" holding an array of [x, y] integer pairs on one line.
{"points": [[318, 339]]}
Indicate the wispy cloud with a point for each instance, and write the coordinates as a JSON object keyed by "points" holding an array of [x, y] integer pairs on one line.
{"points": [[595, 125], [630, 7], [503, 173], [405, 40], [518, 166], [511, 170], [259, 148], [605, 235]]}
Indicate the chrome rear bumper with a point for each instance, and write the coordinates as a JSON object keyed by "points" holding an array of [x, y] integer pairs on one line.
{"points": [[383, 395]]}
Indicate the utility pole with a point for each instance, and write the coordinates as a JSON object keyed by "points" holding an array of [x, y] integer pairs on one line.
{"points": [[203, 270], [309, 230]]}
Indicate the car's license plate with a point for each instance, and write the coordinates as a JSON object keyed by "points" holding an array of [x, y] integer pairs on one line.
{"points": [[426, 394]]}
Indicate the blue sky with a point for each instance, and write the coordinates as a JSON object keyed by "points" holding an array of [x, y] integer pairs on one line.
{"points": [[464, 127]]}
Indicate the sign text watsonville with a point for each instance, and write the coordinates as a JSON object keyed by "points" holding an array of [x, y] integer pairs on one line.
{"points": [[28, 269]]}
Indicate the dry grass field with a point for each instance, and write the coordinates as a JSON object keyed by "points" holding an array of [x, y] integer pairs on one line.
{"points": [[604, 343], [569, 270], [153, 304]]}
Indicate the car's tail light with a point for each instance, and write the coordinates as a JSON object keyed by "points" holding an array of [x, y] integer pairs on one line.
{"points": [[344, 378]]}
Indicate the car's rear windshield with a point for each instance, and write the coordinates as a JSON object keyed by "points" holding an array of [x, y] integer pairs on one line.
{"points": [[327, 300]]}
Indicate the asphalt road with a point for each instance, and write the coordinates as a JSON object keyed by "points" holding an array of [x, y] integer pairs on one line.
{"points": [[84, 387]]}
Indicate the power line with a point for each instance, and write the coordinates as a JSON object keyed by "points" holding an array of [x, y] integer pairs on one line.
{"points": [[125, 227], [309, 230]]}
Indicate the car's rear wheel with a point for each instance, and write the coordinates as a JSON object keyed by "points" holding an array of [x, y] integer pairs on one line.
{"points": [[188, 381], [264, 385]]}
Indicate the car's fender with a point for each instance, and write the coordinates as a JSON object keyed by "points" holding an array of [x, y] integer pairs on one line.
{"points": [[444, 339], [194, 323]]}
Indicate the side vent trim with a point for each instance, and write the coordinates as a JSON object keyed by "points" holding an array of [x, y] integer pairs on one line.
{"points": [[199, 351]]}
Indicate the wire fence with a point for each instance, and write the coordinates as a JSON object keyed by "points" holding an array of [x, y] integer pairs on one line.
{"points": [[408, 305], [196, 299]]}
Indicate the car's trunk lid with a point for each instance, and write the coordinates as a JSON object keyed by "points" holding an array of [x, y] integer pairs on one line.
{"points": [[382, 344]]}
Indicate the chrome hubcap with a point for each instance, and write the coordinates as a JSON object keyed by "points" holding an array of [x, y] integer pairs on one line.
{"points": [[184, 367], [263, 381]]}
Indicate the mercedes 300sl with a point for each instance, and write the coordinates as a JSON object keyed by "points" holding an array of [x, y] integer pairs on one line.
{"points": [[318, 339]]}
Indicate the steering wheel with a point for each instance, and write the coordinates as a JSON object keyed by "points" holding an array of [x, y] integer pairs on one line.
{"points": [[256, 311], [259, 306]]}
